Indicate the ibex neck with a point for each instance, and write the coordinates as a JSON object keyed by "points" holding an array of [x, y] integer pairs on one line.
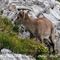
{"points": [[27, 20]]}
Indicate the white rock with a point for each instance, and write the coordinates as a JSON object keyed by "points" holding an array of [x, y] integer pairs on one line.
{"points": [[4, 51], [55, 14], [15, 57]]}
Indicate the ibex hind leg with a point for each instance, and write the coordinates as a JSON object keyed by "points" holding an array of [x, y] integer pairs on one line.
{"points": [[52, 45], [47, 43]]}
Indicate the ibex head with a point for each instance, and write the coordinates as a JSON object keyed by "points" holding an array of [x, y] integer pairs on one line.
{"points": [[23, 13]]}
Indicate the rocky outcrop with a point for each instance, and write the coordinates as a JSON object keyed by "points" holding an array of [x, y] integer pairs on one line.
{"points": [[9, 55]]}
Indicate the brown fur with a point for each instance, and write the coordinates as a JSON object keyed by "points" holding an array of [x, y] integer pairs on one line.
{"points": [[41, 28]]}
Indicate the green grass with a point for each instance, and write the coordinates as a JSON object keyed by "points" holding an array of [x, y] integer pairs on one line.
{"points": [[50, 57], [5, 24], [17, 45]]}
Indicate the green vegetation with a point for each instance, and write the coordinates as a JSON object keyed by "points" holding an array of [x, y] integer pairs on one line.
{"points": [[51, 57], [5, 24], [17, 45]]}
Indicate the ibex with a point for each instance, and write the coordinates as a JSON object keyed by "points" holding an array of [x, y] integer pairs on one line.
{"points": [[41, 28]]}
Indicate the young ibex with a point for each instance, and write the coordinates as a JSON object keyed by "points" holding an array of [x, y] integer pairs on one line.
{"points": [[41, 28]]}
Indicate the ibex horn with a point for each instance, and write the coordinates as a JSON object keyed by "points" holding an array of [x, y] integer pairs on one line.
{"points": [[24, 9]]}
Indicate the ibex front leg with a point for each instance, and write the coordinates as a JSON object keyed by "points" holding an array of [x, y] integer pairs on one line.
{"points": [[38, 37]]}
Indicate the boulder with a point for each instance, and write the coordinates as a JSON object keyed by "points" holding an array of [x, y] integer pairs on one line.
{"points": [[7, 55], [4, 51]]}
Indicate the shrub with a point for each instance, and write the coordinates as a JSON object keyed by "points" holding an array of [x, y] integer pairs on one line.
{"points": [[12, 42], [48, 57], [54, 57], [5, 24], [42, 57], [16, 29]]}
